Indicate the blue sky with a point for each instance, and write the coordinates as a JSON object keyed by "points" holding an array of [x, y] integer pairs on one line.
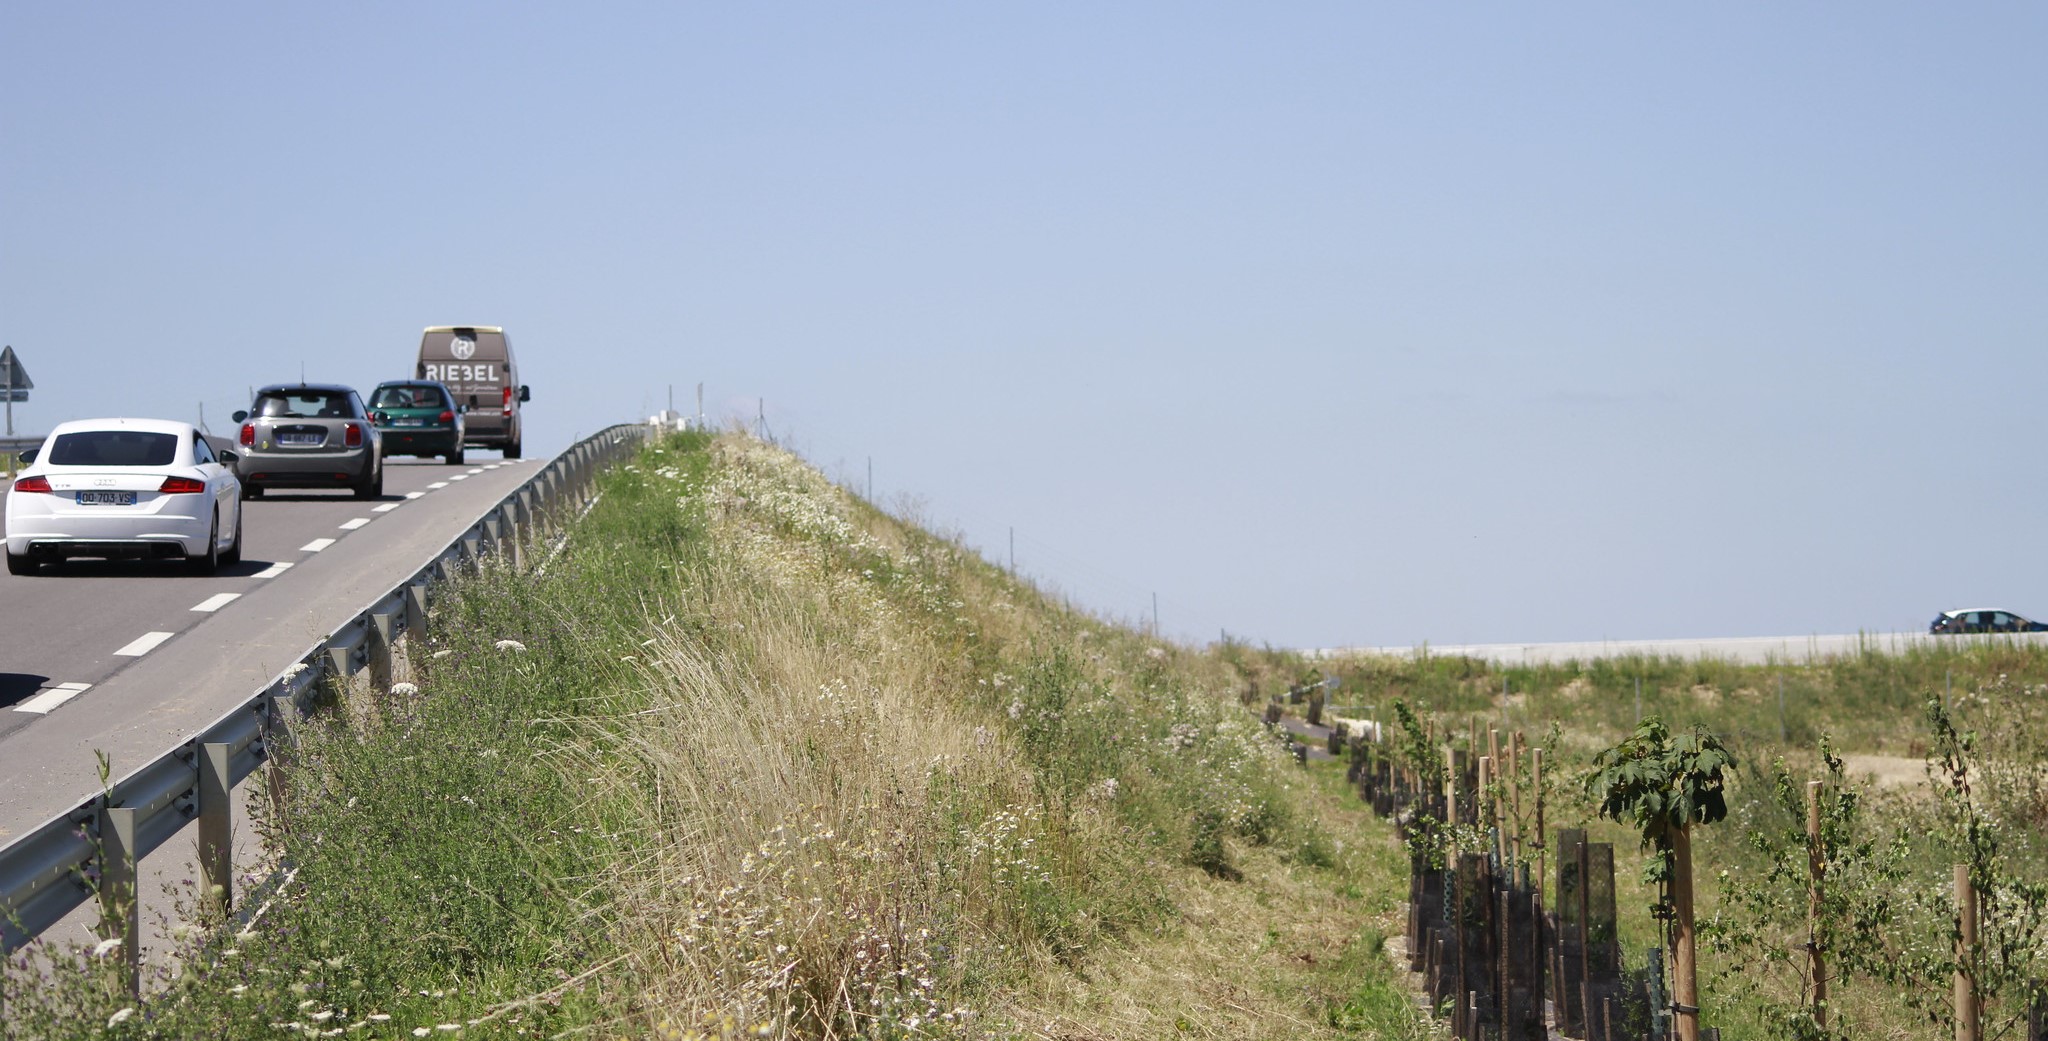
{"points": [[1326, 323]]}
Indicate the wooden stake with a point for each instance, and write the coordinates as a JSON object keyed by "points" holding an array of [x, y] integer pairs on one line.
{"points": [[1685, 973], [1816, 873], [1515, 789], [1536, 786], [1966, 956]]}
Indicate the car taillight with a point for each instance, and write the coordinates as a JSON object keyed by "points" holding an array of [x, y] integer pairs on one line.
{"points": [[181, 486], [447, 416], [32, 484], [248, 434], [352, 435], [508, 402]]}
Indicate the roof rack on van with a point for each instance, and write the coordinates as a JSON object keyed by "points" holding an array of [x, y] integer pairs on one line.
{"points": [[465, 328]]}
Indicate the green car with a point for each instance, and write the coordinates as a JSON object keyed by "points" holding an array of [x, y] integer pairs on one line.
{"points": [[418, 417]]}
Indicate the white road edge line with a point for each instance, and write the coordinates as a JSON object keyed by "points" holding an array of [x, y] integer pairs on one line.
{"points": [[216, 602], [51, 697], [353, 524], [272, 571], [146, 644], [316, 545]]}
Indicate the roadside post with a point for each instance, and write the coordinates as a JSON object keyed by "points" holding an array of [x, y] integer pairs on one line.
{"points": [[16, 385]]}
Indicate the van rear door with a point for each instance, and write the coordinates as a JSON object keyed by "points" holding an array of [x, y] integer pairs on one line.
{"points": [[471, 361]]}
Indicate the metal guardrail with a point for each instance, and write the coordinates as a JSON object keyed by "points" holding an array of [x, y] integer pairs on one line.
{"points": [[91, 850]]}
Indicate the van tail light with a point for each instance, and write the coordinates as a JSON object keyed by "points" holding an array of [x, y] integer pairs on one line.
{"points": [[352, 435], [447, 416], [508, 402], [182, 486], [248, 435], [32, 484]]}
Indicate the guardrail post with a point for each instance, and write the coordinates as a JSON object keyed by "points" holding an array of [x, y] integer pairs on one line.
{"points": [[341, 662], [120, 914], [276, 733], [416, 612], [383, 626], [216, 815], [472, 548]]}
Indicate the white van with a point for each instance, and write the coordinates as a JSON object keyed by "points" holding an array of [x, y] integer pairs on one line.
{"points": [[476, 362]]}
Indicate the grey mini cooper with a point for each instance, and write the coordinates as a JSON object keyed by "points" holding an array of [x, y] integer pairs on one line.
{"points": [[309, 435]]}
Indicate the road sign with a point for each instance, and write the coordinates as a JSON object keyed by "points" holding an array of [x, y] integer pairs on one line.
{"points": [[12, 376], [17, 394]]}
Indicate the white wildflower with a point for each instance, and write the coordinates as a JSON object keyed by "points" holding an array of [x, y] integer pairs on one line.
{"points": [[509, 645], [120, 1017], [404, 690], [105, 947]]}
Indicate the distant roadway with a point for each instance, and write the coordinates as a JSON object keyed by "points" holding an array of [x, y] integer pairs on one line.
{"points": [[1754, 650], [131, 658]]}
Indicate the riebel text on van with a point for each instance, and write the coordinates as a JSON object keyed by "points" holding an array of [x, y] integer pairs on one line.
{"points": [[451, 372]]}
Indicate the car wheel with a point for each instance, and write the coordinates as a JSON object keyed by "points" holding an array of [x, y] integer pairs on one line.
{"points": [[252, 491], [210, 562], [22, 565], [454, 458], [233, 554], [512, 450]]}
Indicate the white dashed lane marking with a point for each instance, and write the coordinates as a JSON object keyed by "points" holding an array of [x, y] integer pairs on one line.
{"points": [[351, 525], [459, 477], [52, 697], [272, 571], [216, 602], [386, 508], [438, 484], [316, 545], [409, 495], [147, 643], [476, 469]]}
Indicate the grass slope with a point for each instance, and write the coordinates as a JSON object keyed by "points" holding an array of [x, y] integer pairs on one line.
{"points": [[753, 759]]}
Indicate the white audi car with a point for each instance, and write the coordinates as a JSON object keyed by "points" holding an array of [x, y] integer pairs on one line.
{"points": [[125, 488]]}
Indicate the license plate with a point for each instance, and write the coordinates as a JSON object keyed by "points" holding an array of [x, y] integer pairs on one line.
{"points": [[301, 439], [408, 421], [106, 498]]}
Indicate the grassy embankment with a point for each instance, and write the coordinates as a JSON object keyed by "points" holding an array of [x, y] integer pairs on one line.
{"points": [[753, 759], [1871, 709]]}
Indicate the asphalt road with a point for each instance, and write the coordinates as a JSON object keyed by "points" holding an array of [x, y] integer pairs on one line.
{"points": [[130, 658]]}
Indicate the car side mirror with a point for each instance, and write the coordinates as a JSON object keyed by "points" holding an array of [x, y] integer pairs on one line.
{"points": [[28, 455], [240, 415], [524, 394], [462, 408], [227, 457]]}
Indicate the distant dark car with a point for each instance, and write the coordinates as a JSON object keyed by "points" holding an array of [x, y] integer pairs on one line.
{"points": [[1983, 620], [309, 435], [418, 417]]}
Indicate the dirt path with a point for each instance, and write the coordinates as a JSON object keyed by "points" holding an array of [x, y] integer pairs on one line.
{"points": [[1888, 771]]}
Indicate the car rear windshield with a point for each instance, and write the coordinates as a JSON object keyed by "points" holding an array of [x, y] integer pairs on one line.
{"points": [[303, 406], [407, 397], [114, 448]]}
